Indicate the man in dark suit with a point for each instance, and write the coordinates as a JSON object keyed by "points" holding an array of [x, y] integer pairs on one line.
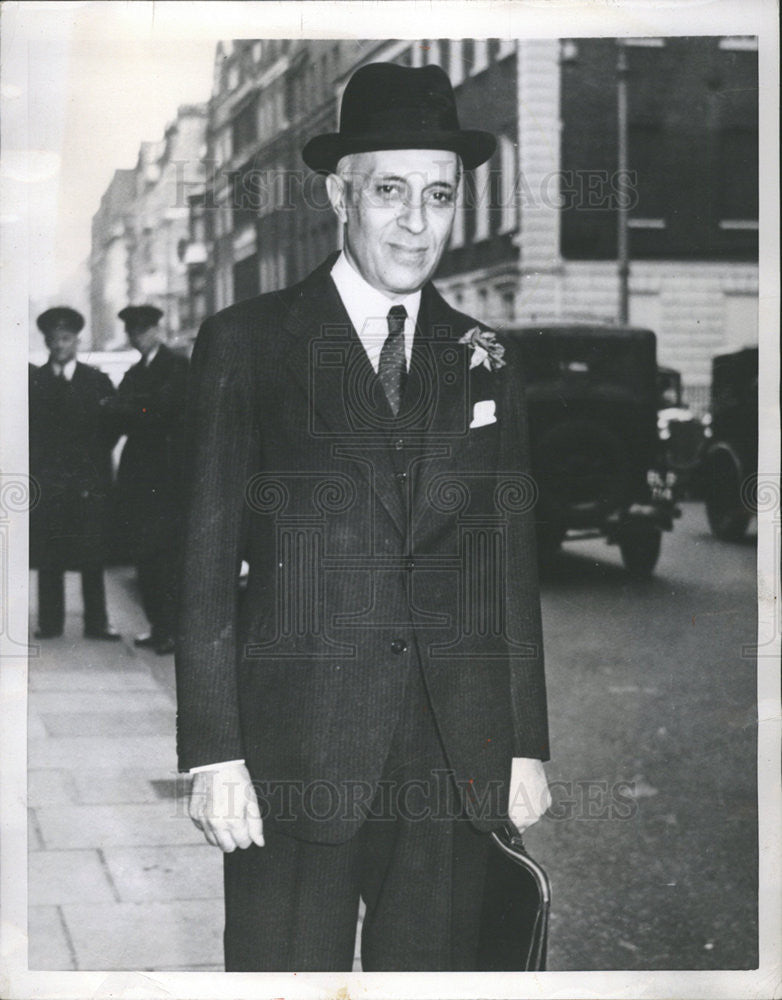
{"points": [[70, 459], [375, 703], [149, 408]]}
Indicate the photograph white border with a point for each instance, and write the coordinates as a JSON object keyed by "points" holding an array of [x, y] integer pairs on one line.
{"points": [[25, 21]]}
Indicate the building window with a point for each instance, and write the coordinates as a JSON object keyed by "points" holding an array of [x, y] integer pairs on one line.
{"points": [[233, 77], [508, 299], [223, 148], [507, 47], [433, 52], [482, 200], [416, 54], [644, 43], [245, 126], [739, 43], [457, 233], [257, 51], [508, 207], [738, 188], [224, 286], [647, 156], [480, 56], [456, 62]]}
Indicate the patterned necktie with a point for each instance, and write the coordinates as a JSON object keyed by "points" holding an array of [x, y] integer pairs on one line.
{"points": [[392, 367]]}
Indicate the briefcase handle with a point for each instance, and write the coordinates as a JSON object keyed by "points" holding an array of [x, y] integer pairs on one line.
{"points": [[511, 843]]}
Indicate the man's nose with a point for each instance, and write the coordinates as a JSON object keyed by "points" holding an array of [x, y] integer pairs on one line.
{"points": [[412, 216]]}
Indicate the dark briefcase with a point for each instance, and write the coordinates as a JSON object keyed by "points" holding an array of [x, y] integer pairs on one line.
{"points": [[515, 909]]}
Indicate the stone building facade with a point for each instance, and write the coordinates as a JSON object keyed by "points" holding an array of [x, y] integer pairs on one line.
{"points": [[535, 233], [141, 232]]}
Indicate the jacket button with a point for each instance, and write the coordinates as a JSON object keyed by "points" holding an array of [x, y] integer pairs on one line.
{"points": [[410, 565], [401, 477], [399, 444], [398, 646]]}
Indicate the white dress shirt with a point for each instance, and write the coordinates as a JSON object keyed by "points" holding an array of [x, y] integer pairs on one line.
{"points": [[151, 356], [65, 370], [368, 311]]}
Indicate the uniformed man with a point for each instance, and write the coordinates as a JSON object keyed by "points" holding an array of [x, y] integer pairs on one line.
{"points": [[149, 409], [70, 459]]}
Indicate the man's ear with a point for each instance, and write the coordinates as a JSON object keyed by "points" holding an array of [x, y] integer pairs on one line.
{"points": [[335, 189]]}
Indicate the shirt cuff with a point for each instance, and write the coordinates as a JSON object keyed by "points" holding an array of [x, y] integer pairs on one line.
{"points": [[214, 767]]}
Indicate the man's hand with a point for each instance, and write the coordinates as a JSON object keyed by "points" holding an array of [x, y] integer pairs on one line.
{"points": [[529, 796], [223, 805]]}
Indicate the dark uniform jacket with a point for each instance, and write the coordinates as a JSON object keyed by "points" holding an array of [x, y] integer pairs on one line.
{"points": [[149, 408], [70, 462], [374, 545]]}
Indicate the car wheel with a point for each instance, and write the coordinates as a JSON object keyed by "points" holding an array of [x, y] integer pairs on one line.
{"points": [[640, 548], [728, 517]]}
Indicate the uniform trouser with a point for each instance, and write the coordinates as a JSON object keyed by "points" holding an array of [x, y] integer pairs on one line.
{"points": [[292, 905], [156, 574], [51, 596]]}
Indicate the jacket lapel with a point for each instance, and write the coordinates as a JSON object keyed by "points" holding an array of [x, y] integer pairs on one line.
{"points": [[345, 403]]}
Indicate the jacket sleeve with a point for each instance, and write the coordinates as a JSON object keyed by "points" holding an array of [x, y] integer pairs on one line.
{"points": [[162, 407], [219, 456], [528, 688]]}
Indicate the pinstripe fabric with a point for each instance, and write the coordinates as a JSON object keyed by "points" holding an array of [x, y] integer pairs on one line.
{"points": [[372, 541]]}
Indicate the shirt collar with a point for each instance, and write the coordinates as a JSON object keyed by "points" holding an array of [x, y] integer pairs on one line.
{"points": [[151, 356], [368, 309], [67, 370]]}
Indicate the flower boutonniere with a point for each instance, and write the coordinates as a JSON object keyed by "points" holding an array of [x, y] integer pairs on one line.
{"points": [[485, 349]]}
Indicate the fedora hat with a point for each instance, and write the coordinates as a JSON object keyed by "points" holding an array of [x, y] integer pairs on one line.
{"points": [[386, 106], [140, 316], [60, 318]]}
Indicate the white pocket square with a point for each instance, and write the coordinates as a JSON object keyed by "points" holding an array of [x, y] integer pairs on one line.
{"points": [[483, 413]]}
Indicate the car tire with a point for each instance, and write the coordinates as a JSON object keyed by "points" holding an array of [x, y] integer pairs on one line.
{"points": [[640, 548], [727, 515]]}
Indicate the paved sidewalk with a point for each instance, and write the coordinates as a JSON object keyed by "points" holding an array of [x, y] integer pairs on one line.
{"points": [[119, 878]]}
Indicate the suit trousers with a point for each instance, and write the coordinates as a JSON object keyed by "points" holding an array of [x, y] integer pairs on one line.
{"points": [[156, 575], [416, 861], [51, 596]]}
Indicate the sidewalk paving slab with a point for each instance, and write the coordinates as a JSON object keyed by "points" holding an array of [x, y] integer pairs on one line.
{"points": [[116, 724], [48, 945], [159, 874], [106, 785], [137, 679], [42, 702], [138, 935], [90, 751], [50, 787], [62, 876], [143, 825]]}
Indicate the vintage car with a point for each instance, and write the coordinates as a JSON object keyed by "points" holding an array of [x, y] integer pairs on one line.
{"points": [[731, 460], [683, 436], [592, 396]]}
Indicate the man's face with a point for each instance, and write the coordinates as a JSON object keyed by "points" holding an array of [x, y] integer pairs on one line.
{"points": [[397, 207], [143, 338], [62, 345]]}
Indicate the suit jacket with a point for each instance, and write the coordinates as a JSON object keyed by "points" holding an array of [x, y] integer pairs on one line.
{"points": [[150, 409], [70, 459], [374, 544]]}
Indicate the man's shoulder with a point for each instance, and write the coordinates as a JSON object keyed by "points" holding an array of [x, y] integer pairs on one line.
{"points": [[90, 374], [257, 313], [253, 312]]}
